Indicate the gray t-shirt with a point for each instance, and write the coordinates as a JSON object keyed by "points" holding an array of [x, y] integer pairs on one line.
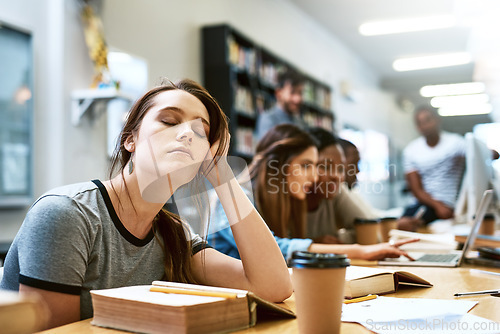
{"points": [[72, 241], [332, 214]]}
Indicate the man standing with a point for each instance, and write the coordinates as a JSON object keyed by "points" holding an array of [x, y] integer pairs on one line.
{"points": [[288, 95], [434, 164]]}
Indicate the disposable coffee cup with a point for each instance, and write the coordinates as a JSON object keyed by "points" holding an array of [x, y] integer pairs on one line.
{"points": [[346, 236], [386, 225], [318, 283], [487, 226], [367, 231]]}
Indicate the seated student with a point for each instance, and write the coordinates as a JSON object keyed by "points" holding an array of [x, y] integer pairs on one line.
{"points": [[282, 172], [352, 159], [330, 205], [351, 170], [97, 235]]}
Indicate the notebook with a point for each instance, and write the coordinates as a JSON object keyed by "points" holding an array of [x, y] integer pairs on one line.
{"points": [[448, 259]]}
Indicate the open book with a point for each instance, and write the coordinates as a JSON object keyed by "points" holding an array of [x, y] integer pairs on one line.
{"points": [[360, 281], [203, 309]]}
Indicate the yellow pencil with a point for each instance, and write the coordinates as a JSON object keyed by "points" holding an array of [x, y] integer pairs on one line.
{"points": [[360, 299], [193, 292]]}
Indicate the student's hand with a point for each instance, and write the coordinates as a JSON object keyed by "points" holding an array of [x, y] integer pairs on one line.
{"points": [[409, 223], [443, 211], [381, 251], [327, 239], [215, 167]]}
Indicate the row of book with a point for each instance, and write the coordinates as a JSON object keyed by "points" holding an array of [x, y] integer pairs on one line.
{"points": [[318, 120], [269, 72], [244, 58], [243, 102], [245, 142], [316, 95]]}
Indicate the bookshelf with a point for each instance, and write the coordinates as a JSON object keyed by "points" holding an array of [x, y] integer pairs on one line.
{"points": [[242, 76]]}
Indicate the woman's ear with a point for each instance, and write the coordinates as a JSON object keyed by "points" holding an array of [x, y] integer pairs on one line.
{"points": [[129, 144]]}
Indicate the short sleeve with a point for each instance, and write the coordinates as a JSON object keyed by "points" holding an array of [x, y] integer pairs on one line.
{"points": [[54, 245], [409, 164], [197, 242], [350, 209]]}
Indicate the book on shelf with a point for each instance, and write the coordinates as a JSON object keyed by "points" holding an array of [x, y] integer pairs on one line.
{"points": [[481, 240], [186, 308], [361, 281], [21, 313]]}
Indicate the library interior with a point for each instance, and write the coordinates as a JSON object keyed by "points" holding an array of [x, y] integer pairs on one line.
{"points": [[296, 166]]}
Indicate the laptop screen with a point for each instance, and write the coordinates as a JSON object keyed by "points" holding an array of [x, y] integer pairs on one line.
{"points": [[481, 211]]}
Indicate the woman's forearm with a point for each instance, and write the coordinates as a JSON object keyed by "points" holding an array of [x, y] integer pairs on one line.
{"points": [[264, 265], [352, 251]]}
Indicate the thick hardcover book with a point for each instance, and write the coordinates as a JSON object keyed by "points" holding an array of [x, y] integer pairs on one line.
{"points": [[361, 281], [202, 309]]}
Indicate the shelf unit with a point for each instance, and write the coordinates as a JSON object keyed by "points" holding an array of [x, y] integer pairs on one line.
{"points": [[83, 100], [242, 77]]}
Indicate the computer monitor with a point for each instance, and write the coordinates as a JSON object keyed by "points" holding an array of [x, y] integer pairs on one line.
{"points": [[478, 177]]}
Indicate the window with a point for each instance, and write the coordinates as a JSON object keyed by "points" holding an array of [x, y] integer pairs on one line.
{"points": [[16, 117]]}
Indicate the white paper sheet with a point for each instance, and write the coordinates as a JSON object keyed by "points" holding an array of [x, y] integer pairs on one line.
{"points": [[417, 315]]}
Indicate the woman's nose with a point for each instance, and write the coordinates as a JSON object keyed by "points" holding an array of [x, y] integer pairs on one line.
{"points": [[185, 133]]}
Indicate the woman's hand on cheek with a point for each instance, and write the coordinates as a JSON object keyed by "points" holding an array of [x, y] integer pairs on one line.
{"points": [[215, 167]]}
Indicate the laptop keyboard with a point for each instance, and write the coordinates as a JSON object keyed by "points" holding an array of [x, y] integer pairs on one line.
{"points": [[436, 258]]}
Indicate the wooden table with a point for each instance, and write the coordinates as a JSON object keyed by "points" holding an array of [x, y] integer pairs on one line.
{"points": [[447, 281]]}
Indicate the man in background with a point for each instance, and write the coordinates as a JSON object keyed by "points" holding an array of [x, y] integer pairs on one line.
{"points": [[434, 165], [289, 99]]}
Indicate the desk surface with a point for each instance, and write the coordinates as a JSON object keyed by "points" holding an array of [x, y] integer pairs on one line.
{"points": [[447, 281]]}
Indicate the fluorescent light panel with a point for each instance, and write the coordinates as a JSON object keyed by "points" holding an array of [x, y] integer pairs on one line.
{"points": [[458, 100], [407, 25], [453, 89], [435, 61], [464, 110]]}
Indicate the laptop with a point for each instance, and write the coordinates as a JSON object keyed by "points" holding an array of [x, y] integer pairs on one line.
{"points": [[449, 259]]}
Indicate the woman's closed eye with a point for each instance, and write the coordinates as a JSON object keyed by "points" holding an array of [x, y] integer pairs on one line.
{"points": [[170, 122], [199, 130]]}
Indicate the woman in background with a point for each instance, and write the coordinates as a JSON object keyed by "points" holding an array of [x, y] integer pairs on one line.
{"points": [[98, 235], [283, 173]]}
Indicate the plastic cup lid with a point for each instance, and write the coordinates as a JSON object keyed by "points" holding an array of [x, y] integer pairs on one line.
{"points": [[302, 259], [358, 221]]}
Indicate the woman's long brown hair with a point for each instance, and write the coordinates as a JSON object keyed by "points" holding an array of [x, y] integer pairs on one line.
{"points": [[169, 230], [284, 214]]}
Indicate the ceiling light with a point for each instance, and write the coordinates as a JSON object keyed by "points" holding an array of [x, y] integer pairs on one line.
{"points": [[442, 60], [464, 110], [407, 25], [453, 89], [458, 100]]}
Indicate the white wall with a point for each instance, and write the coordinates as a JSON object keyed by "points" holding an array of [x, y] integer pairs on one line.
{"points": [[62, 153], [167, 35]]}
